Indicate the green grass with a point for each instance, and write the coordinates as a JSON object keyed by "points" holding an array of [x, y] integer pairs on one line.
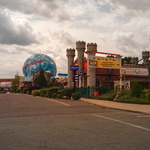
{"points": [[107, 96], [125, 97]]}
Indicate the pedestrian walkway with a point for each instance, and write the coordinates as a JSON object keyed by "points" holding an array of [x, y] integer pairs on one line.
{"points": [[141, 108]]}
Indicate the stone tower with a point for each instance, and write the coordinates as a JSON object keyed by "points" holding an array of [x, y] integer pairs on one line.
{"points": [[80, 46], [70, 55], [91, 72]]}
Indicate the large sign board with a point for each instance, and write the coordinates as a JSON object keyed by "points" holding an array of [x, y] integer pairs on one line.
{"points": [[135, 71], [125, 85], [104, 62]]}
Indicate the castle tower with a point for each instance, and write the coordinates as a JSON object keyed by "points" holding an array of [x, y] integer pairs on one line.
{"points": [[91, 72], [145, 56], [80, 46], [70, 55]]}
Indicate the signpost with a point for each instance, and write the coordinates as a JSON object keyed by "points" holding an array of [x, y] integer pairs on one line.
{"points": [[80, 72], [74, 68]]}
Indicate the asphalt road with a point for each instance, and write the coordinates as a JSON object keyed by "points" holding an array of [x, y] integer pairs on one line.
{"points": [[33, 123]]}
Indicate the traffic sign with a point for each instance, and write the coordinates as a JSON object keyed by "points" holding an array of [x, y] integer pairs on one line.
{"points": [[74, 67], [80, 72]]}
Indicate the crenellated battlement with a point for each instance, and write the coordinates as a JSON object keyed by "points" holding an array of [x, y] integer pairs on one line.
{"points": [[70, 52], [91, 47], [80, 45]]}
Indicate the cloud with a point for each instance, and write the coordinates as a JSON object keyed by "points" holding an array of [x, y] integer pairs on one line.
{"points": [[128, 43], [45, 8], [132, 7], [11, 32]]}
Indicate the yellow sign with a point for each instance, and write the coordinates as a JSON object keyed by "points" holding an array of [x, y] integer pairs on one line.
{"points": [[102, 62]]}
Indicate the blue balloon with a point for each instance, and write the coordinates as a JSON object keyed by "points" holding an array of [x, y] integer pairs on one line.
{"points": [[38, 62]]}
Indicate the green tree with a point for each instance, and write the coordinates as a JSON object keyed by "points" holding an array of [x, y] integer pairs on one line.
{"points": [[41, 79], [136, 90], [126, 60], [15, 84]]}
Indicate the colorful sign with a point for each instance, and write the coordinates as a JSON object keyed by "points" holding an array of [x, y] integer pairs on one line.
{"points": [[135, 71], [125, 85], [74, 67], [5, 84], [104, 62]]}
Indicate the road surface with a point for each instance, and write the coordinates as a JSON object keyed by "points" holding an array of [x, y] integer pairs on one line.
{"points": [[34, 123]]}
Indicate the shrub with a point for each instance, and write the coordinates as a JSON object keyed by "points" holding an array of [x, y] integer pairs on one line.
{"points": [[108, 96], [59, 92], [76, 95], [59, 96], [25, 90], [54, 95], [17, 90], [44, 93], [136, 90], [31, 88], [67, 92], [52, 90], [145, 94], [127, 97], [36, 92]]}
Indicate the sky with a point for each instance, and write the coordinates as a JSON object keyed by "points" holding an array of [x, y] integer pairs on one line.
{"points": [[51, 26]]}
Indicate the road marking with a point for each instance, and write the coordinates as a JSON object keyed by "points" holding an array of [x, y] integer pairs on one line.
{"points": [[144, 116], [58, 102], [122, 122]]}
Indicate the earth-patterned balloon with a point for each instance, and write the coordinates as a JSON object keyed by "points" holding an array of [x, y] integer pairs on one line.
{"points": [[38, 62]]}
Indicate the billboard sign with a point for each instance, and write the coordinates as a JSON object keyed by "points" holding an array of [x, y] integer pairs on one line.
{"points": [[104, 62], [125, 85], [135, 71]]}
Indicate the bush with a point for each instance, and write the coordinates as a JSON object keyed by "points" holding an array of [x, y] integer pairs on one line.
{"points": [[145, 94], [136, 90], [59, 92], [76, 95], [31, 88], [67, 92], [52, 90], [59, 96], [54, 95], [36, 92], [17, 90], [44, 93], [108, 96], [127, 97], [25, 90]]}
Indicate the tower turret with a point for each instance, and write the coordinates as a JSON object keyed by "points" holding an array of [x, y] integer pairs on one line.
{"points": [[70, 54], [91, 72]]}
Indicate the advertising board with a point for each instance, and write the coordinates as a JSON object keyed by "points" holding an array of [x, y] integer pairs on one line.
{"points": [[104, 62], [135, 71], [125, 85]]}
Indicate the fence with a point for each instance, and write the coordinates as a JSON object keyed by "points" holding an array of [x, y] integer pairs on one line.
{"points": [[88, 91]]}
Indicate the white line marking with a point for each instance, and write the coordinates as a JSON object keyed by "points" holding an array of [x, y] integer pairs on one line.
{"points": [[58, 102], [144, 116], [122, 122]]}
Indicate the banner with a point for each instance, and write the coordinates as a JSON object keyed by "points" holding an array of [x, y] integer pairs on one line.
{"points": [[135, 71], [104, 62], [125, 85]]}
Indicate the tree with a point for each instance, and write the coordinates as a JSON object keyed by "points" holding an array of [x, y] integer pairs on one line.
{"points": [[126, 60], [15, 84], [41, 79]]}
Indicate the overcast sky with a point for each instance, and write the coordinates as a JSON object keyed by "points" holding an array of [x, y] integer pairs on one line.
{"points": [[51, 26]]}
